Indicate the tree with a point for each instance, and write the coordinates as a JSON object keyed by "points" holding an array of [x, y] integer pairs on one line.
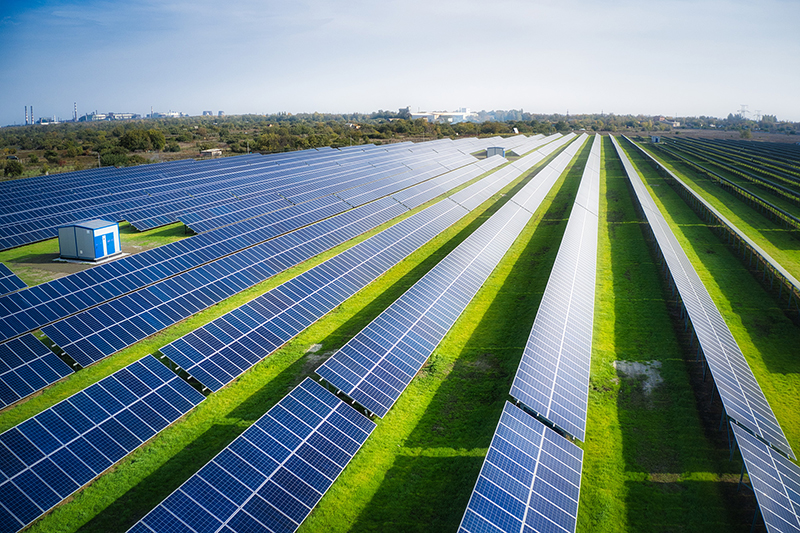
{"points": [[14, 168], [157, 139], [746, 134], [135, 139]]}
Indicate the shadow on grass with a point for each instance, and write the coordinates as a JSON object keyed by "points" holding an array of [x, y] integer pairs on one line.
{"points": [[669, 430], [421, 493], [425, 492], [150, 491]]}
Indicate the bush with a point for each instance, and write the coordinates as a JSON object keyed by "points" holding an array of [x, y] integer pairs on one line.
{"points": [[51, 156], [14, 168], [172, 146]]}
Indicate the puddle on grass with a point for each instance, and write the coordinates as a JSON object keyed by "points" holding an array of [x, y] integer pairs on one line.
{"points": [[649, 372]]}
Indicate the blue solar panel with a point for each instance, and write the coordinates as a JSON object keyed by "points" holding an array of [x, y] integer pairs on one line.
{"points": [[377, 364], [55, 300], [48, 457], [272, 476], [553, 376], [529, 481], [775, 480], [26, 366]]}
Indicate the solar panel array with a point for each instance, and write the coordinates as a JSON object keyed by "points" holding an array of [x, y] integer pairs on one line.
{"points": [[270, 477], [553, 376], [94, 334], [48, 457], [217, 353], [26, 366], [32, 308], [9, 282], [530, 480], [376, 365], [155, 192], [742, 397], [58, 299], [775, 481]]}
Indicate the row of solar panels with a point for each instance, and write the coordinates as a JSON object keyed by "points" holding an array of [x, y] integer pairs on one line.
{"points": [[531, 477], [741, 395], [93, 334], [271, 478], [24, 502], [775, 480], [52, 301], [31, 309]]}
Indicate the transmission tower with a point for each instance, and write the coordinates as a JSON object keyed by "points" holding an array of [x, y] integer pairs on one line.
{"points": [[758, 115], [743, 111]]}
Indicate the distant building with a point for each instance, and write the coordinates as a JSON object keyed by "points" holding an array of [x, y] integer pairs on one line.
{"points": [[462, 115], [211, 152], [221, 114], [169, 114], [655, 138], [208, 113], [95, 117], [495, 150]]}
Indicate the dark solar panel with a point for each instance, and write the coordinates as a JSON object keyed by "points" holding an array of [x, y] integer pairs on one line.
{"points": [[775, 480], [553, 376]]}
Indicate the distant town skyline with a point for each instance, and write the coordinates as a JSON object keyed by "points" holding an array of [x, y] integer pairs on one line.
{"points": [[665, 57]]}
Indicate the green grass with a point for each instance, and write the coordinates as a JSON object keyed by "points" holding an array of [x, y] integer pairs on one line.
{"points": [[140, 481]]}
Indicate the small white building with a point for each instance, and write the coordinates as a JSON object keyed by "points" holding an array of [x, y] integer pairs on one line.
{"points": [[495, 150], [211, 152], [89, 241], [655, 138]]}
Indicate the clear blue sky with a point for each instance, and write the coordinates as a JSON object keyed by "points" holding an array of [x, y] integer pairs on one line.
{"points": [[690, 57]]}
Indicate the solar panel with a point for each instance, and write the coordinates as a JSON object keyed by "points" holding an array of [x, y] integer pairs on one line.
{"points": [[9, 282], [56, 300], [270, 477], [48, 457], [741, 395], [27, 366], [220, 351], [553, 375], [376, 365], [775, 481], [530, 480]]}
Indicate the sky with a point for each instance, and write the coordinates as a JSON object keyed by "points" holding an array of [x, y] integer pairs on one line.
{"points": [[654, 57]]}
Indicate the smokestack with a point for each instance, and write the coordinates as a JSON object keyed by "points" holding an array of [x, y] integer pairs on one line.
{"points": [[75, 113], [33, 121], [26, 115]]}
